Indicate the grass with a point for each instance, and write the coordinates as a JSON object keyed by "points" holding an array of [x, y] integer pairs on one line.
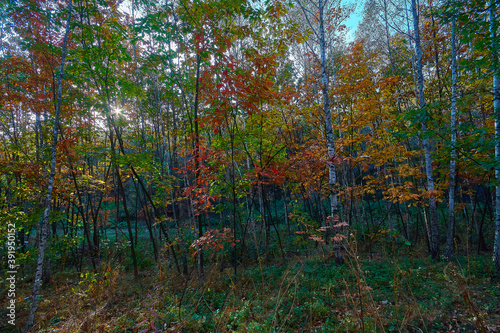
{"points": [[307, 294]]}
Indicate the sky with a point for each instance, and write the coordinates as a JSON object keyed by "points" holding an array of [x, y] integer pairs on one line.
{"points": [[353, 21]]}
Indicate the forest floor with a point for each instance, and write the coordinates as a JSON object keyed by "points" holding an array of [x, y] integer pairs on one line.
{"points": [[368, 293]]}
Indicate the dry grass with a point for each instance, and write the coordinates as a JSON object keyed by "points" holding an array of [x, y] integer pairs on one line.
{"points": [[306, 295]]}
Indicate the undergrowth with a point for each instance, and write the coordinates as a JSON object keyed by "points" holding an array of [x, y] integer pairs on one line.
{"points": [[379, 293]]}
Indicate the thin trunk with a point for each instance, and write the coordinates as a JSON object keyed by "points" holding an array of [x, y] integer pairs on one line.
{"points": [[38, 137], [198, 159], [389, 49], [415, 85], [434, 227], [148, 219], [141, 111], [43, 228], [233, 190], [496, 106], [453, 126], [330, 141], [117, 205], [263, 217], [436, 53], [144, 189], [285, 206], [182, 245], [121, 189]]}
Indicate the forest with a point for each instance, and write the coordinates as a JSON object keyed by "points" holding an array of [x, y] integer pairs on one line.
{"points": [[249, 166]]}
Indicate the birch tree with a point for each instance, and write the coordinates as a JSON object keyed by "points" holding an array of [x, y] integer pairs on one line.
{"points": [[434, 227], [453, 127], [496, 112], [316, 13], [45, 220]]}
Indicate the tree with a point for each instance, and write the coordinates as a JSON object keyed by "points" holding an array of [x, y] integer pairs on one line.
{"points": [[45, 219], [453, 127], [496, 113], [434, 223], [317, 13]]}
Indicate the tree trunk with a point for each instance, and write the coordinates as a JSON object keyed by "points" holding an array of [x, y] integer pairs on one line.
{"points": [[45, 220], [121, 189], [330, 141], [198, 159], [434, 227], [453, 126], [496, 107]]}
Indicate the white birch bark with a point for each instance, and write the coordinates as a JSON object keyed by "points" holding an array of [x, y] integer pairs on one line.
{"points": [[45, 220], [434, 227], [453, 127], [330, 141], [496, 108]]}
